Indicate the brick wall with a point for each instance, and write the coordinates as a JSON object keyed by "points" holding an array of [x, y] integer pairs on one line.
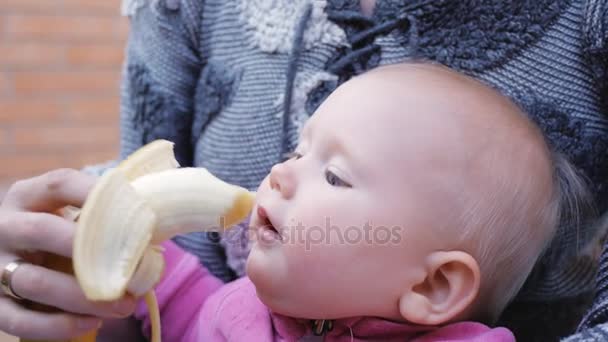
{"points": [[59, 82]]}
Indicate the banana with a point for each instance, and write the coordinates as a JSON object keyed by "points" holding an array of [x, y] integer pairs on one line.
{"points": [[145, 200], [113, 231], [148, 272], [153, 157], [187, 199]]}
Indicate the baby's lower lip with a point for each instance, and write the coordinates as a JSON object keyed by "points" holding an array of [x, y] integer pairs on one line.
{"points": [[266, 231]]}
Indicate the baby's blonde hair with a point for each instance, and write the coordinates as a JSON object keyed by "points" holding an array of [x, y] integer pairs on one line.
{"points": [[508, 229], [509, 244]]}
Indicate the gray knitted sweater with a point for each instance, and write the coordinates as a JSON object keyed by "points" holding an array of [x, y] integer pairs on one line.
{"points": [[231, 83]]}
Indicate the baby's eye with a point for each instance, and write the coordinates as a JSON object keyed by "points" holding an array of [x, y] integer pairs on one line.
{"points": [[334, 180], [293, 155]]}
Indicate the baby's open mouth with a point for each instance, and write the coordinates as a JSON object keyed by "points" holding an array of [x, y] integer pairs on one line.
{"points": [[267, 229]]}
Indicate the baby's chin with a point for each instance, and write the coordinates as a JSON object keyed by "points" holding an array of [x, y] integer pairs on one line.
{"points": [[267, 272], [264, 268], [271, 301], [268, 289], [287, 304]]}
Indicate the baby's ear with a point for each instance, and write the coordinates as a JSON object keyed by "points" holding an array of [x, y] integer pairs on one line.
{"points": [[451, 285]]}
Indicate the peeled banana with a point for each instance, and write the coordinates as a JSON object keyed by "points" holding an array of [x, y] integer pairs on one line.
{"points": [[147, 199]]}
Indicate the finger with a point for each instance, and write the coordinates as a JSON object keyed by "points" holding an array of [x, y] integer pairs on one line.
{"points": [[19, 321], [61, 290], [50, 191], [25, 231]]}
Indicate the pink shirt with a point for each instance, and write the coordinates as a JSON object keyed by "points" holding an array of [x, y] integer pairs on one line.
{"points": [[196, 306]]}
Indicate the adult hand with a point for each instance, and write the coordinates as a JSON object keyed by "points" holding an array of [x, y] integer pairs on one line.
{"points": [[31, 229]]}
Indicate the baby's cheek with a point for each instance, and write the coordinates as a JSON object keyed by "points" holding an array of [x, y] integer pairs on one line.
{"points": [[320, 212], [325, 221]]}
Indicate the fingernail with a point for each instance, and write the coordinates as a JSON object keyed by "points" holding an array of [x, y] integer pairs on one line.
{"points": [[86, 324]]}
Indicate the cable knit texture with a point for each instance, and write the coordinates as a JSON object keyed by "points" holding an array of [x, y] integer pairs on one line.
{"points": [[231, 82]]}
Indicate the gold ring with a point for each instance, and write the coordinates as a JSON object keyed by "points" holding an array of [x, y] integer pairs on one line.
{"points": [[7, 276]]}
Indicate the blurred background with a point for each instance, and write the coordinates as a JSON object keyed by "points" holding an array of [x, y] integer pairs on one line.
{"points": [[59, 83], [60, 63]]}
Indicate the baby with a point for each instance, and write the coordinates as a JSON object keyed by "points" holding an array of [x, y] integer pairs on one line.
{"points": [[414, 207]]}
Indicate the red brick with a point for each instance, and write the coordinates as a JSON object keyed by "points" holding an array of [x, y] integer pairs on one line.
{"points": [[81, 159], [60, 27], [122, 27], [18, 166], [69, 138], [30, 83], [30, 55], [59, 84], [23, 165], [104, 110], [22, 6], [95, 55], [94, 110], [61, 6], [35, 110], [110, 6], [4, 84]]}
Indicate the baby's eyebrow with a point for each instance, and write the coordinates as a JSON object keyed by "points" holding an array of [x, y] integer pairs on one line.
{"points": [[339, 145]]}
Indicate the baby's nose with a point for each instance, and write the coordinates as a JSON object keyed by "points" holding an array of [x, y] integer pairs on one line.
{"points": [[282, 179]]}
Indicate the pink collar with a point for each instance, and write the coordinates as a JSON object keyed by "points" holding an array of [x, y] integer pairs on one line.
{"points": [[379, 329], [348, 329]]}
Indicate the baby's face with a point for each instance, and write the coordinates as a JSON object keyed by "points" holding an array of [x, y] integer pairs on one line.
{"points": [[348, 223], [353, 205]]}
